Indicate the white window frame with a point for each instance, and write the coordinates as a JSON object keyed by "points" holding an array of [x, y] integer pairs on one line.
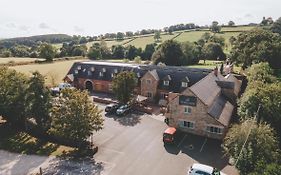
{"points": [[112, 75], [101, 74], [90, 73], [187, 110], [184, 84], [148, 81], [208, 129], [110, 87], [166, 83]]}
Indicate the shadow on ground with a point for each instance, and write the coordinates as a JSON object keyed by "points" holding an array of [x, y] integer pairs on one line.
{"points": [[85, 167], [16, 141], [210, 153], [130, 119]]}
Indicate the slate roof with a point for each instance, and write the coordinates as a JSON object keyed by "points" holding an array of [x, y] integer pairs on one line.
{"points": [[216, 109], [177, 74]]}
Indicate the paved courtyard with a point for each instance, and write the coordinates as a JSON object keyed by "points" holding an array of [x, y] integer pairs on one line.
{"points": [[133, 145]]}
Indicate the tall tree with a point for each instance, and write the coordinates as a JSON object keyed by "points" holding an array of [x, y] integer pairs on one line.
{"points": [[74, 116], [276, 27], [47, 51], [215, 27], [12, 95], [213, 51], [169, 52], [118, 52], [120, 36], [148, 51], [131, 52], [192, 53], [231, 23], [257, 45], [261, 145], [123, 86], [157, 36], [38, 101]]}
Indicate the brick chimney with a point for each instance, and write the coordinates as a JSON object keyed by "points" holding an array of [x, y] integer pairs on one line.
{"points": [[216, 71]]}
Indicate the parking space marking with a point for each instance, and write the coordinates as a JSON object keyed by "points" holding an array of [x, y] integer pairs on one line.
{"points": [[203, 144], [182, 140]]}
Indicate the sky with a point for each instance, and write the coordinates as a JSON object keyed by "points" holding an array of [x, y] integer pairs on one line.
{"points": [[91, 17]]}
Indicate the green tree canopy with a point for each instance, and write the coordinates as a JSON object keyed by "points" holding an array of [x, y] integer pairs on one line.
{"points": [[257, 45], [131, 52], [215, 27], [157, 36], [261, 72], [74, 116], [169, 53], [269, 97], [192, 53], [118, 52], [148, 51], [276, 27], [12, 95], [38, 101], [213, 51], [123, 86], [261, 146], [47, 51]]}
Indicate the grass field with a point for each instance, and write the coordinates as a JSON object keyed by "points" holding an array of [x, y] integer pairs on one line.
{"points": [[16, 60], [54, 72], [211, 64]]}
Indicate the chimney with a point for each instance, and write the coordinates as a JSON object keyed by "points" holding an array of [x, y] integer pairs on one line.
{"points": [[216, 71]]}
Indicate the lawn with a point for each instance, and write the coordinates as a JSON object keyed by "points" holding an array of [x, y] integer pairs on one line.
{"points": [[54, 72], [109, 43], [211, 64]]}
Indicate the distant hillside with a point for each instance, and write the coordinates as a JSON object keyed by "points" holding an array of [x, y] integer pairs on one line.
{"points": [[32, 40]]}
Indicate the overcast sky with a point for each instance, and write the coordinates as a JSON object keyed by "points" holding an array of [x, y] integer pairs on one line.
{"points": [[92, 17]]}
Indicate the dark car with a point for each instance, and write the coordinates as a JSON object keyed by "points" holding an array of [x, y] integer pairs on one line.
{"points": [[111, 108], [124, 109]]}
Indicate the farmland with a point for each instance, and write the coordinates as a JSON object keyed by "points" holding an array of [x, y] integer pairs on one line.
{"points": [[16, 60], [54, 72]]}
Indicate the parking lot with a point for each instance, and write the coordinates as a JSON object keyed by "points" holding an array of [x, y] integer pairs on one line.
{"points": [[133, 145]]}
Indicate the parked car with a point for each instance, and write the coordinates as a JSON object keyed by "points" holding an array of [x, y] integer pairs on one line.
{"points": [[169, 135], [124, 109], [61, 86], [111, 108], [201, 169]]}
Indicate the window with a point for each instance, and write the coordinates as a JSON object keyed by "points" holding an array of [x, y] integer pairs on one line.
{"points": [[188, 124], [149, 94], [79, 67], [92, 69], [76, 71], [164, 96], [148, 81], [101, 74], [184, 84], [166, 83], [213, 129], [89, 73], [112, 75], [110, 87], [187, 110]]}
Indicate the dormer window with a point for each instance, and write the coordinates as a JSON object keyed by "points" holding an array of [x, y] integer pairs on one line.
{"points": [[166, 83], [101, 74], [103, 70], [79, 68], [115, 71], [76, 71], [92, 69], [184, 84], [138, 75], [89, 73], [112, 75]]}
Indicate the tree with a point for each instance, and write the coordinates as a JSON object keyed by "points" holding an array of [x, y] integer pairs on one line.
{"points": [[267, 169], [148, 51], [20, 51], [95, 52], [123, 86], [215, 27], [74, 116], [169, 53], [104, 50], [276, 27], [231, 23], [232, 40], [261, 146], [47, 51], [269, 96], [213, 51], [38, 101], [12, 95], [120, 36], [157, 36], [131, 52], [261, 72], [79, 50], [255, 46], [191, 53], [118, 52]]}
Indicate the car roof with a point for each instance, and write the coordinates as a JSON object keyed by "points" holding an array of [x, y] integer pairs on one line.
{"points": [[206, 168], [170, 130]]}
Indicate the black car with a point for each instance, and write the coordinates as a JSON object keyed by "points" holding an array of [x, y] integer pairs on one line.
{"points": [[111, 108], [124, 109]]}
